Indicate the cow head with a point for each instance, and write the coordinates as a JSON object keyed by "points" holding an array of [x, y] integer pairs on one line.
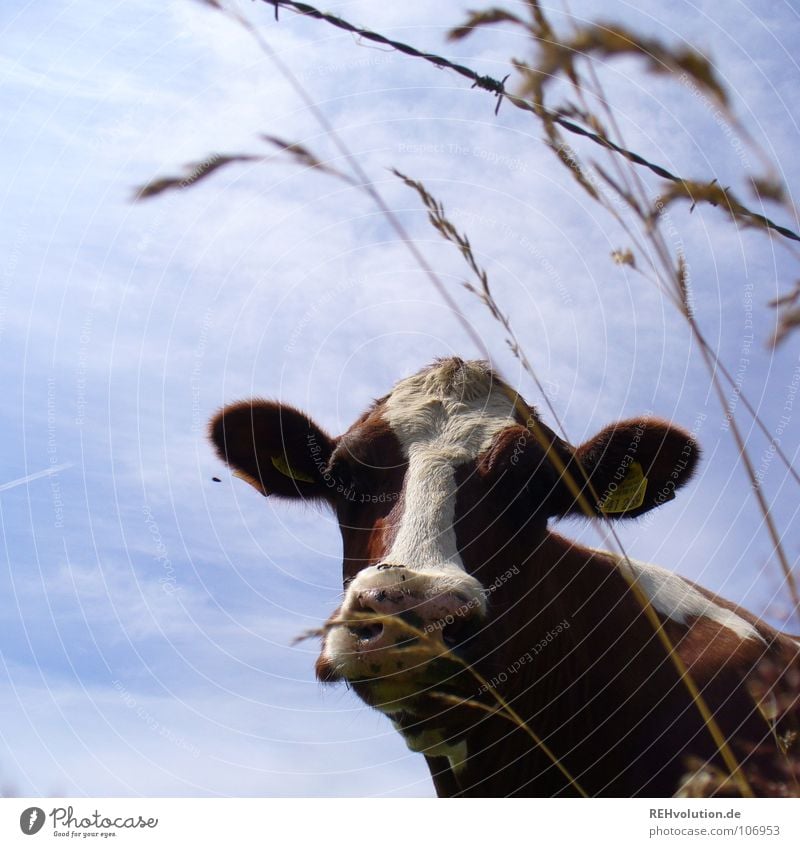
{"points": [[441, 488]]}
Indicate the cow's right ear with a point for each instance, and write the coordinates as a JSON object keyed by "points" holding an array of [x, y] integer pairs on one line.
{"points": [[276, 448]]}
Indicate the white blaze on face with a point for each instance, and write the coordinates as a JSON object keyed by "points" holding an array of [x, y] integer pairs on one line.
{"points": [[426, 536], [442, 418]]}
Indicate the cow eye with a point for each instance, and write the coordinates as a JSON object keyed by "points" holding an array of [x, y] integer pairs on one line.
{"points": [[340, 472], [350, 478]]}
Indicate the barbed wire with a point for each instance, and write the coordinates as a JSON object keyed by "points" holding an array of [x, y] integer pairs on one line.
{"points": [[497, 88]]}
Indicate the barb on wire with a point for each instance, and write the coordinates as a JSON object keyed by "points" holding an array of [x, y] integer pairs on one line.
{"points": [[497, 88]]}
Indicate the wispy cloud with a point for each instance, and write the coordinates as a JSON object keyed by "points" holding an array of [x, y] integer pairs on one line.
{"points": [[24, 480]]}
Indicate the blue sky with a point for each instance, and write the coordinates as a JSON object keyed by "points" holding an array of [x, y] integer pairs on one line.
{"points": [[146, 613]]}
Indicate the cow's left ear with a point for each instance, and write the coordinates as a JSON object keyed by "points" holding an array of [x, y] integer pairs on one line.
{"points": [[634, 466], [276, 448]]}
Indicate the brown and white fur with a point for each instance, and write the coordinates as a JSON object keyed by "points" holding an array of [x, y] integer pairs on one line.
{"points": [[458, 596]]}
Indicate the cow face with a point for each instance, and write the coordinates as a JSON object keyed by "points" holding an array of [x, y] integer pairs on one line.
{"points": [[438, 490]]}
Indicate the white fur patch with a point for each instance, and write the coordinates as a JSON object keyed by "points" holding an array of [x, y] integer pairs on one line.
{"points": [[458, 755], [675, 598], [444, 417], [433, 743]]}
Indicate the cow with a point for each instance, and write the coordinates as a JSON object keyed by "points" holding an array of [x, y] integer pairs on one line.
{"points": [[518, 662]]}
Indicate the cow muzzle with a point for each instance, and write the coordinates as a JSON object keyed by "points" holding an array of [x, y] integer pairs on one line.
{"points": [[401, 631]]}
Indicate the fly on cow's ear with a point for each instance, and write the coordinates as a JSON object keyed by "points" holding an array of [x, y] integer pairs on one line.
{"points": [[274, 447], [633, 466]]}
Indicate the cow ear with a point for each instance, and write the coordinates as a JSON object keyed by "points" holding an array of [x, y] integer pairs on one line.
{"points": [[634, 466], [276, 448]]}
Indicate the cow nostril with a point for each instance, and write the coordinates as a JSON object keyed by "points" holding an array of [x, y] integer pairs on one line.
{"points": [[367, 631]]}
